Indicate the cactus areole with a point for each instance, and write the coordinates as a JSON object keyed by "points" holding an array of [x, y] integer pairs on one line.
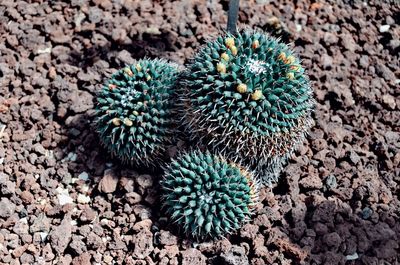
{"points": [[134, 113], [247, 94]]}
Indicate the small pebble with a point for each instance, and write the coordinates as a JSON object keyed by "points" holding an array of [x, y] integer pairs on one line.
{"points": [[85, 188], [331, 182], [84, 176], [352, 256], [43, 236], [384, 28], [366, 213], [83, 199], [63, 196], [71, 157], [45, 50]]}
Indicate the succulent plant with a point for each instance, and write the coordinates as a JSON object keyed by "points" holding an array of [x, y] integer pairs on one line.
{"points": [[135, 111], [248, 95], [207, 195]]}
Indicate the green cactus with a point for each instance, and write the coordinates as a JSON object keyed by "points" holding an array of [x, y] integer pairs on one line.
{"points": [[135, 111], [248, 95], [208, 196]]}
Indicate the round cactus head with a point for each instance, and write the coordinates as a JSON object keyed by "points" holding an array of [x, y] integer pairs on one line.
{"points": [[247, 94], [208, 196], [134, 113]]}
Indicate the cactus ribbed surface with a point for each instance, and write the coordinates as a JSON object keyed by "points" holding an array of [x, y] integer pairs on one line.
{"points": [[248, 95], [135, 111], [208, 196]]}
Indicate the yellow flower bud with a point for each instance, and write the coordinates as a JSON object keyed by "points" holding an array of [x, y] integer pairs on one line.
{"points": [[128, 122], [255, 44], [116, 121], [138, 67], [221, 68], [234, 50], [290, 75], [241, 88], [290, 59], [282, 56], [225, 56], [229, 42], [256, 95], [112, 86], [148, 77], [128, 71], [295, 67]]}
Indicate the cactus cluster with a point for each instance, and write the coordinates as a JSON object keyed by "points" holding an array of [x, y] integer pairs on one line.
{"points": [[208, 196], [247, 94], [135, 111]]}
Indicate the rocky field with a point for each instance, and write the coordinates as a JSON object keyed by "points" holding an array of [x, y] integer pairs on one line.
{"points": [[64, 201]]}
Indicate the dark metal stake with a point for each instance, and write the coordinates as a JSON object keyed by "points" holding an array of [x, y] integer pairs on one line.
{"points": [[233, 15]]}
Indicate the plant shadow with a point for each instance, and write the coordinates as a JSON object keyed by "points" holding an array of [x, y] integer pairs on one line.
{"points": [[118, 54]]}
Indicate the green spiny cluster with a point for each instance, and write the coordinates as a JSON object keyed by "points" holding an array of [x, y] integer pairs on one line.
{"points": [[208, 196], [135, 111], [248, 95]]}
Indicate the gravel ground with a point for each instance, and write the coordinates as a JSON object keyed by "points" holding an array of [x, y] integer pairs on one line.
{"points": [[64, 201]]}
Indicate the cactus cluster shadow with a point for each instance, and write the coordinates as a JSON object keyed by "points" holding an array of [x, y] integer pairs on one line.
{"points": [[141, 46]]}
